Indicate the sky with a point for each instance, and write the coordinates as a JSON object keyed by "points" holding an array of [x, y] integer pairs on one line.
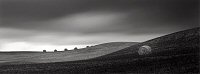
{"points": [[35, 25]]}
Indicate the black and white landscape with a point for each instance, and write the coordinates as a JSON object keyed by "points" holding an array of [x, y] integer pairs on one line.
{"points": [[99, 36]]}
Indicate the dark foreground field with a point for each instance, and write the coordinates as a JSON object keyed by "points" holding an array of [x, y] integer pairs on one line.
{"points": [[173, 53]]}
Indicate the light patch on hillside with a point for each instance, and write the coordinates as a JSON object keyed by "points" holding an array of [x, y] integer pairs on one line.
{"points": [[23, 46]]}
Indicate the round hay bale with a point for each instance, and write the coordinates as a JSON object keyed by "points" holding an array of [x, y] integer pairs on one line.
{"points": [[75, 48], [87, 46], [143, 50], [55, 50], [44, 51], [65, 49]]}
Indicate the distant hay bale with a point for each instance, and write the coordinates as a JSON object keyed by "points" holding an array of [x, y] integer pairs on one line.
{"points": [[65, 49], [44, 50], [55, 50], [75, 48], [87, 46], [143, 50]]}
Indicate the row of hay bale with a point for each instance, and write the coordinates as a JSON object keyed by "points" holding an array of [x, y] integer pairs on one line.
{"points": [[143, 50], [65, 49]]}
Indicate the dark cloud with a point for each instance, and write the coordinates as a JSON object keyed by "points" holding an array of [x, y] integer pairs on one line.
{"points": [[145, 12]]}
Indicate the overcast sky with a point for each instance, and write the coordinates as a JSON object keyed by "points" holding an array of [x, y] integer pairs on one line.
{"points": [[34, 25]]}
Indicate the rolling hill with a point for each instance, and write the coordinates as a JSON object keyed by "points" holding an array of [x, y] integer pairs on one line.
{"points": [[174, 53], [182, 42], [71, 55]]}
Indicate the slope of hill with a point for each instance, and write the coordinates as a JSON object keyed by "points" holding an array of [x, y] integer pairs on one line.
{"points": [[182, 42], [173, 53], [81, 54]]}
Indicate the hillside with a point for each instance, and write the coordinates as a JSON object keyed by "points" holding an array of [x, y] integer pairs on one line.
{"points": [[71, 55], [174, 53], [182, 42]]}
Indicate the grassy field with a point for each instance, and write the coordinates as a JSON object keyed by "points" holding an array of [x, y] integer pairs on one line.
{"points": [[176, 53], [71, 55]]}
